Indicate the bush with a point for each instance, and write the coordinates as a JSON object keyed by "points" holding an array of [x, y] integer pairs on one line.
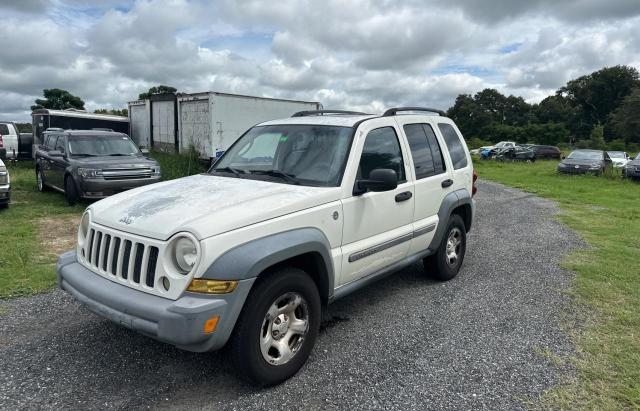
{"points": [[179, 165]]}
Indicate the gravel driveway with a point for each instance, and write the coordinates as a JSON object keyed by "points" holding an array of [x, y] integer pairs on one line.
{"points": [[406, 342]]}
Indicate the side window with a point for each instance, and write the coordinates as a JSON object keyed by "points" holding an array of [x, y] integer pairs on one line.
{"points": [[456, 149], [49, 142], [381, 150], [427, 157], [60, 144]]}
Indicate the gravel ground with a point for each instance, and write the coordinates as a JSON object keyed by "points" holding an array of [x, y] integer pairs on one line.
{"points": [[405, 343]]}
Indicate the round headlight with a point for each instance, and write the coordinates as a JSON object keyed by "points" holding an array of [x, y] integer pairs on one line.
{"points": [[83, 230], [185, 254]]}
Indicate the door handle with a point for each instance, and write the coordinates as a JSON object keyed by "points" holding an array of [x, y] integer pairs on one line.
{"points": [[447, 183], [403, 196]]}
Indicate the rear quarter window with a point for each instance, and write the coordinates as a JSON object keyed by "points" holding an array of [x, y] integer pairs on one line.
{"points": [[455, 146]]}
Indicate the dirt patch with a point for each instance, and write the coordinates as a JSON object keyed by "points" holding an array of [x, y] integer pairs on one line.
{"points": [[58, 235]]}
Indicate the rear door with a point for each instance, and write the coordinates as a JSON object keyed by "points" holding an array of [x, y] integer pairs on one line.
{"points": [[458, 156], [9, 139], [378, 227], [432, 178]]}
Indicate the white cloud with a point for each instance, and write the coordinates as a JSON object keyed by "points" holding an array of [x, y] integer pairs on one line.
{"points": [[361, 54]]}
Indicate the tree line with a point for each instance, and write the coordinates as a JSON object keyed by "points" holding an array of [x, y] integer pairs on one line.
{"points": [[599, 110]]}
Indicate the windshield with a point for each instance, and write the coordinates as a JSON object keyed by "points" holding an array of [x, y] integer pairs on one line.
{"points": [[616, 154], [304, 154], [501, 144], [585, 155], [101, 145]]}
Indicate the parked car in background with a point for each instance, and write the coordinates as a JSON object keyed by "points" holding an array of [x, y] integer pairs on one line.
{"points": [[597, 162], [488, 151], [91, 164], [9, 138], [619, 158], [546, 152], [517, 153], [5, 186], [632, 168]]}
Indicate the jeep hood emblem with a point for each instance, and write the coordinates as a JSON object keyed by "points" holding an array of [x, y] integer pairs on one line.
{"points": [[126, 219]]}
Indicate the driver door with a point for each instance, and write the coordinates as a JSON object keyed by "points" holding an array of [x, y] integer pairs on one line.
{"points": [[378, 227]]}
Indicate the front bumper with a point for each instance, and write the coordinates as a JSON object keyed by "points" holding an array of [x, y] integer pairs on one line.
{"points": [[573, 170], [178, 322], [100, 188], [5, 194], [632, 172]]}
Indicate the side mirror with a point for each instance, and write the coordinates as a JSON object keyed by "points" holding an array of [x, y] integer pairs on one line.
{"points": [[144, 151], [563, 157], [56, 153], [380, 179]]}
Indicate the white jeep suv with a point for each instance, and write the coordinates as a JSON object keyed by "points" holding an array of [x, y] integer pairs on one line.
{"points": [[297, 213]]}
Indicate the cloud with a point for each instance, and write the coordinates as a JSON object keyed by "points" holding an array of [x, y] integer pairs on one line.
{"points": [[361, 54]]}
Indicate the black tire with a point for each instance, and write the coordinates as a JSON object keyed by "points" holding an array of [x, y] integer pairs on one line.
{"points": [[71, 191], [439, 265], [254, 327], [40, 181]]}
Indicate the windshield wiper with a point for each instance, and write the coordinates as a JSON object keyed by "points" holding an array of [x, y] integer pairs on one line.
{"points": [[236, 171], [118, 154], [84, 155], [277, 173]]}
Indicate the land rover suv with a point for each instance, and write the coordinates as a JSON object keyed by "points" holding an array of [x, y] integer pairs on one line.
{"points": [[91, 164], [297, 213]]}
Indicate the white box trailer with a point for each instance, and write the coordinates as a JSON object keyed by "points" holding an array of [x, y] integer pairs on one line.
{"points": [[209, 121]]}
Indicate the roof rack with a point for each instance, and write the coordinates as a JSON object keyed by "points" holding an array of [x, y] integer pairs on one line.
{"points": [[54, 129], [395, 110], [323, 112], [101, 129]]}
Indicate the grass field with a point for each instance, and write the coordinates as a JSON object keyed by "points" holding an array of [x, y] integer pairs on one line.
{"points": [[38, 226], [606, 213]]}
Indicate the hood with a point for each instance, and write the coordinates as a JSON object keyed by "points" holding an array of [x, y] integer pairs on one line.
{"points": [[114, 162], [634, 162], [204, 205], [573, 162]]}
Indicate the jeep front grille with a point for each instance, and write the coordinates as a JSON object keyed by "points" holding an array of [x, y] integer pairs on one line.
{"points": [[116, 256]]}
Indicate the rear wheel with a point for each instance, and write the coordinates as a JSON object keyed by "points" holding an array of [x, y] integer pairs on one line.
{"points": [[70, 191], [277, 328], [42, 187], [446, 262]]}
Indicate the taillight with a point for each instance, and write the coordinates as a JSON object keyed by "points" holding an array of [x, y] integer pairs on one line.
{"points": [[474, 187], [1, 143]]}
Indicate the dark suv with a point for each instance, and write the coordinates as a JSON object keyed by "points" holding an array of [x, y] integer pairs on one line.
{"points": [[91, 164]]}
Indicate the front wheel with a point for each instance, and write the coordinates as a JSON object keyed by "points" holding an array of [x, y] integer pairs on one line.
{"points": [[277, 328], [70, 191], [446, 262]]}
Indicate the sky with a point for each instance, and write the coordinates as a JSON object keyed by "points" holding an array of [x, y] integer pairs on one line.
{"points": [[349, 54]]}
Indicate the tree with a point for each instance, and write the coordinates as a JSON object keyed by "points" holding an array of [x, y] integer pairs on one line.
{"points": [[114, 112], [625, 120], [157, 90], [597, 138], [58, 99], [553, 109], [598, 94]]}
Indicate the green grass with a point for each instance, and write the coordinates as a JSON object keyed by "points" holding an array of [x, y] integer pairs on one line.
{"points": [[606, 214], [26, 266]]}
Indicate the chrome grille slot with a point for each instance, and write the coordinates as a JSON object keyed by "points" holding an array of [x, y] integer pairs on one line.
{"points": [[128, 259]]}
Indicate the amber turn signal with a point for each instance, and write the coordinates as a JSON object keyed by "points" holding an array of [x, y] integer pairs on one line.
{"points": [[211, 324], [199, 285]]}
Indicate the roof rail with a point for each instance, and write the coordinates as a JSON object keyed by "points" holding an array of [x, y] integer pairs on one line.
{"points": [[101, 129], [323, 112], [395, 110], [54, 129]]}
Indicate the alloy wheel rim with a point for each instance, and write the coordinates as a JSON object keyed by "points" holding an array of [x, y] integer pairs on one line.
{"points": [[284, 328], [454, 244]]}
